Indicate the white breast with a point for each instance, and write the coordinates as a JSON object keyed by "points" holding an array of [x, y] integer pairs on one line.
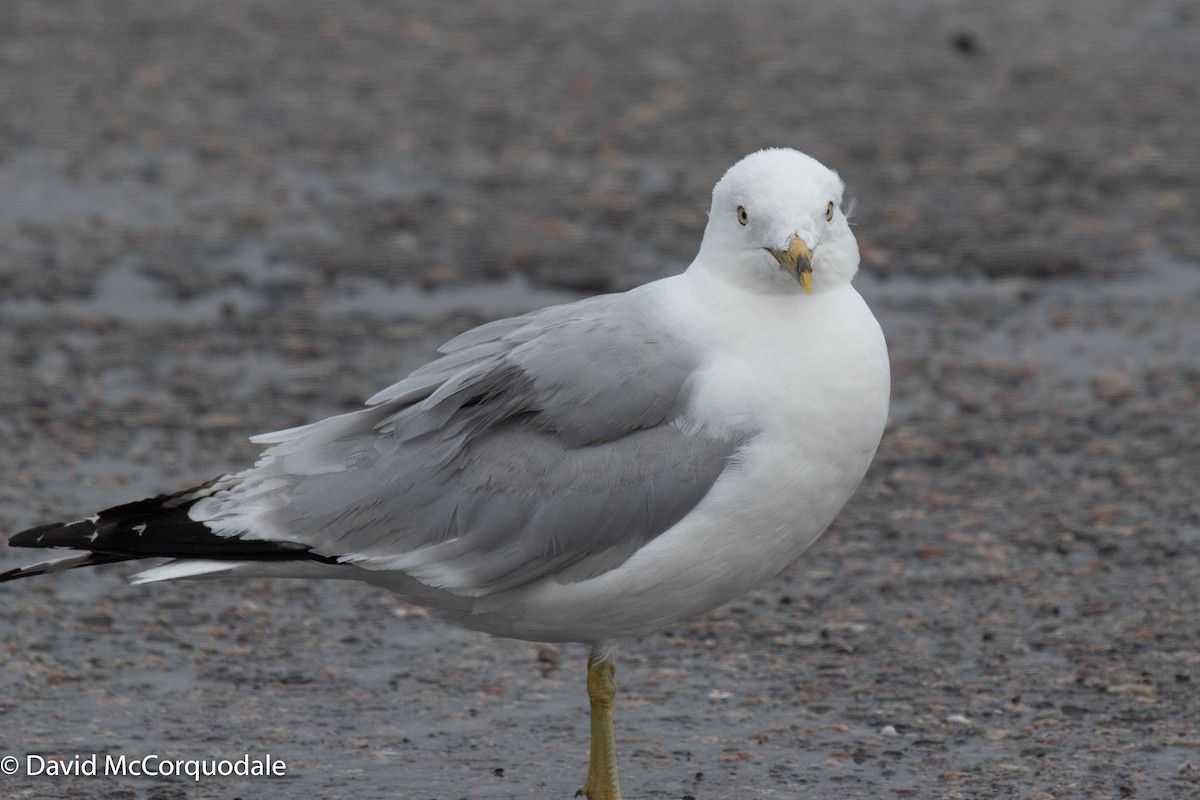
{"points": [[808, 383]]}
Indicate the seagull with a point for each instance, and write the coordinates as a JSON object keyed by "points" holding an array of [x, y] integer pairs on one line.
{"points": [[589, 472]]}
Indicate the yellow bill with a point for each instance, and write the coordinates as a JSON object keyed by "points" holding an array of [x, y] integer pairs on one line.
{"points": [[796, 261]]}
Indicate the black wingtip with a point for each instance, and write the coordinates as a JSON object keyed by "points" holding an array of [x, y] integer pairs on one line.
{"points": [[60, 564], [56, 534], [158, 527]]}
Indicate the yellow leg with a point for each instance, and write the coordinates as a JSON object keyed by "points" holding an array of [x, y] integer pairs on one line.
{"points": [[601, 781]]}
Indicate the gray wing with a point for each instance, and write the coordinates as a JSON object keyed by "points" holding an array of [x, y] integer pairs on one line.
{"points": [[544, 444]]}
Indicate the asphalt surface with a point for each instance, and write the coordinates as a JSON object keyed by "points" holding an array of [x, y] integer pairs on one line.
{"points": [[216, 221]]}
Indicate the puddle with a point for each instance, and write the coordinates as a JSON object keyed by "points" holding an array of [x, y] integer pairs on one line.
{"points": [[127, 292], [1072, 325], [508, 297], [35, 190]]}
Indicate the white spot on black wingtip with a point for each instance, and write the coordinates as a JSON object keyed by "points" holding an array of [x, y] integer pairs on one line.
{"points": [[139, 528]]}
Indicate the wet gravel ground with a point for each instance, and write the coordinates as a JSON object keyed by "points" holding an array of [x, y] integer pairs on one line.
{"points": [[216, 221]]}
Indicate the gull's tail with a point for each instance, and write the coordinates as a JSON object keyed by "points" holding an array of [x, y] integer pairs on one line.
{"points": [[159, 527]]}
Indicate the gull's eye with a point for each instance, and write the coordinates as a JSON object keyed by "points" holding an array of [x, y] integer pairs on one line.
{"points": [[743, 217], [828, 212]]}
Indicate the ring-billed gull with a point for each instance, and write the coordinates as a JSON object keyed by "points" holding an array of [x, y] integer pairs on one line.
{"points": [[588, 472]]}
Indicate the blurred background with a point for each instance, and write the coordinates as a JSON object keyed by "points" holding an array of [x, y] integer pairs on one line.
{"points": [[217, 220]]}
